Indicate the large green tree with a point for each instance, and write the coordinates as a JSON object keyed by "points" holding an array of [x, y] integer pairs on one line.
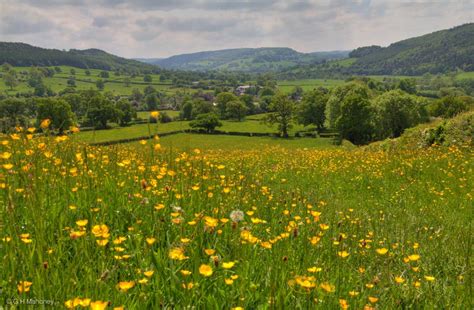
{"points": [[57, 111], [13, 112], [126, 112], [395, 111], [282, 113], [236, 110], [222, 99], [208, 121], [312, 109], [101, 111], [337, 96], [354, 121]]}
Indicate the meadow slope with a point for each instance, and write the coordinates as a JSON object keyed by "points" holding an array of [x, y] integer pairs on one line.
{"points": [[141, 226]]}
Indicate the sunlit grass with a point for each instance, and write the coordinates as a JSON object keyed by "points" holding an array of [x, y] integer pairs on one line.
{"points": [[143, 226]]}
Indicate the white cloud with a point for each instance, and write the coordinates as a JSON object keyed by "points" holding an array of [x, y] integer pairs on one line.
{"points": [[146, 28]]}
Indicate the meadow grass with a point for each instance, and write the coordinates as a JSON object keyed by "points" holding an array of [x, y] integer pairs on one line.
{"points": [[144, 226]]}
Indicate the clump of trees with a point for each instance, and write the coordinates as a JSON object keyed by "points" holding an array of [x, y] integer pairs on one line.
{"points": [[207, 121]]}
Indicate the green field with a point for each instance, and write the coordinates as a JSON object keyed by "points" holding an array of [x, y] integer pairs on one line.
{"points": [[114, 84], [465, 75], [308, 84], [189, 142], [253, 124]]}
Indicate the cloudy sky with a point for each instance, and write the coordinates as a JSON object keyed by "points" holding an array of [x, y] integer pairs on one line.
{"points": [[160, 28]]}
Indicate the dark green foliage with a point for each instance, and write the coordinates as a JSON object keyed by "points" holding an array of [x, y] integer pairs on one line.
{"points": [[282, 113], [222, 99], [21, 54], [165, 118], [248, 101], [101, 111], [364, 51], [151, 101], [56, 110], [76, 101], [296, 93], [354, 121], [71, 81], [236, 110], [395, 111], [13, 112], [450, 106], [208, 121], [312, 109], [186, 111], [147, 78], [136, 95], [264, 103], [104, 74], [266, 91], [201, 106], [35, 77], [149, 90], [440, 51], [338, 94], [126, 112], [100, 84], [407, 85]]}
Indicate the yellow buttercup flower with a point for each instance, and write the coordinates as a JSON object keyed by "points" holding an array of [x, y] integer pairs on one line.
{"points": [[99, 305], [148, 273], [125, 285], [343, 254], [185, 272], [228, 265], [413, 257], [177, 254], [100, 231], [206, 270], [45, 123], [150, 240], [382, 251], [24, 286], [155, 114], [82, 223]]}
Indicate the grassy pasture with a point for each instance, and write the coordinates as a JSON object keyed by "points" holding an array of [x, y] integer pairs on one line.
{"points": [[189, 142], [253, 124], [114, 84], [308, 84]]}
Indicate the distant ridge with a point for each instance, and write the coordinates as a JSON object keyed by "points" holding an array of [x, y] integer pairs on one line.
{"points": [[437, 52], [245, 59], [22, 54]]}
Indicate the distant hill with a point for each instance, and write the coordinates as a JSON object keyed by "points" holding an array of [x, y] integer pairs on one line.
{"points": [[437, 52], [245, 59], [21, 54]]}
